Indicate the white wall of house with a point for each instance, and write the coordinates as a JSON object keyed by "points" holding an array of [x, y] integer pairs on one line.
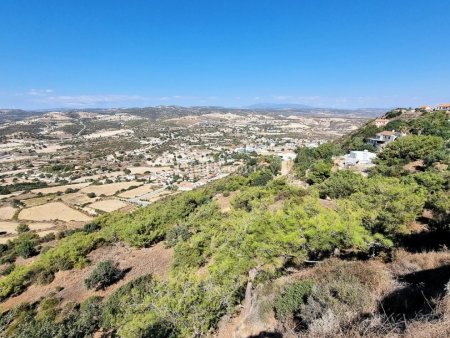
{"points": [[359, 157]]}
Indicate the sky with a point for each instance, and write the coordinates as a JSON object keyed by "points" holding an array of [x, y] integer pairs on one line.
{"points": [[136, 53]]}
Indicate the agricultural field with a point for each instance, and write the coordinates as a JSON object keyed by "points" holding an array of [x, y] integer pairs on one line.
{"points": [[108, 205], [60, 188], [52, 211], [8, 227], [142, 190], [109, 189], [7, 212]]}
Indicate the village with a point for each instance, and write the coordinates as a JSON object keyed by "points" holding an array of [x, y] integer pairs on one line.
{"points": [[362, 160], [59, 170]]}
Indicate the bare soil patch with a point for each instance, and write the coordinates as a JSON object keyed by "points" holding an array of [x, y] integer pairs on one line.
{"points": [[329, 204], [414, 166], [142, 190], [140, 170], [108, 205], [76, 198], [7, 212], [109, 189], [52, 211], [99, 176], [108, 133], [225, 202], [8, 227], [154, 260]]}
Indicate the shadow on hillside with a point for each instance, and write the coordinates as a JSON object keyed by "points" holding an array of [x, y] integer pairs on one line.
{"points": [[416, 298], [425, 241], [266, 334]]}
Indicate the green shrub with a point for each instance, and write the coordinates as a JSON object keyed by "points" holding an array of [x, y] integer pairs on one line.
{"points": [[176, 234], [117, 304], [410, 148], [307, 157], [389, 204], [91, 227], [10, 268], [22, 227], [104, 274], [24, 245], [47, 238], [341, 184], [290, 301], [393, 113], [260, 178], [44, 277], [319, 171]]}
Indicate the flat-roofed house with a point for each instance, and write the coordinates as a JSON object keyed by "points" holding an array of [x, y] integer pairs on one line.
{"points": [[384, 137], [359, 157]]}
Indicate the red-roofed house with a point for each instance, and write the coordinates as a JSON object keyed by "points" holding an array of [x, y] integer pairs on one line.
{"points": [[443, 106]]}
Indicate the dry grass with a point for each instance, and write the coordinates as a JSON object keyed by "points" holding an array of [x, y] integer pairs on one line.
{"points": [[31, 202], [406, 262], [76, 198], [154, 260], [53, 211], [371, 274], [108, 205], [109, 189]]}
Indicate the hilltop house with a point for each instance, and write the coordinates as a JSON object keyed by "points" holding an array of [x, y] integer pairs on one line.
{"points": [[359, 157], [443, 106], [383, 138], [380, 122]]}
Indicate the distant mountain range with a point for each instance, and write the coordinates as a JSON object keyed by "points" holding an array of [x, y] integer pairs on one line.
{"points": [[279, 106], [262, 108]]}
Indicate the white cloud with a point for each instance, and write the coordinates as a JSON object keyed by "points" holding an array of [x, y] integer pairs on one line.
{"points": [[86, 100], [47, 97], [40, 92]]}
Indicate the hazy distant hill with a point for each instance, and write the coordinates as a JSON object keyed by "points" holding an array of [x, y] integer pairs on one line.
{"points": [[179, 111], [280, 106]]}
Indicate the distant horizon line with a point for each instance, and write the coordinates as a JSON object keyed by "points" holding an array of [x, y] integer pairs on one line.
{"points": [[282, 106]]}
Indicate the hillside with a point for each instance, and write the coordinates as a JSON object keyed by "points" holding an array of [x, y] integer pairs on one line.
{"points": [[318, 252]]}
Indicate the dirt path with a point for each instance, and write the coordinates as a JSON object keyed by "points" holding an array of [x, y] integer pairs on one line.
{"points": [[248, 321], [286, 167], [154, 260]]}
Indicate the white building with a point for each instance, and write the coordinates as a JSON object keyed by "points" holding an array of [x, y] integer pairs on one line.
{"points": [[383, 138], [443, 106], [359, 157]]}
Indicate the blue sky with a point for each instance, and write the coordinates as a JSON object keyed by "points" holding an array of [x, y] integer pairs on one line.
{"points": [[115, 53]]}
